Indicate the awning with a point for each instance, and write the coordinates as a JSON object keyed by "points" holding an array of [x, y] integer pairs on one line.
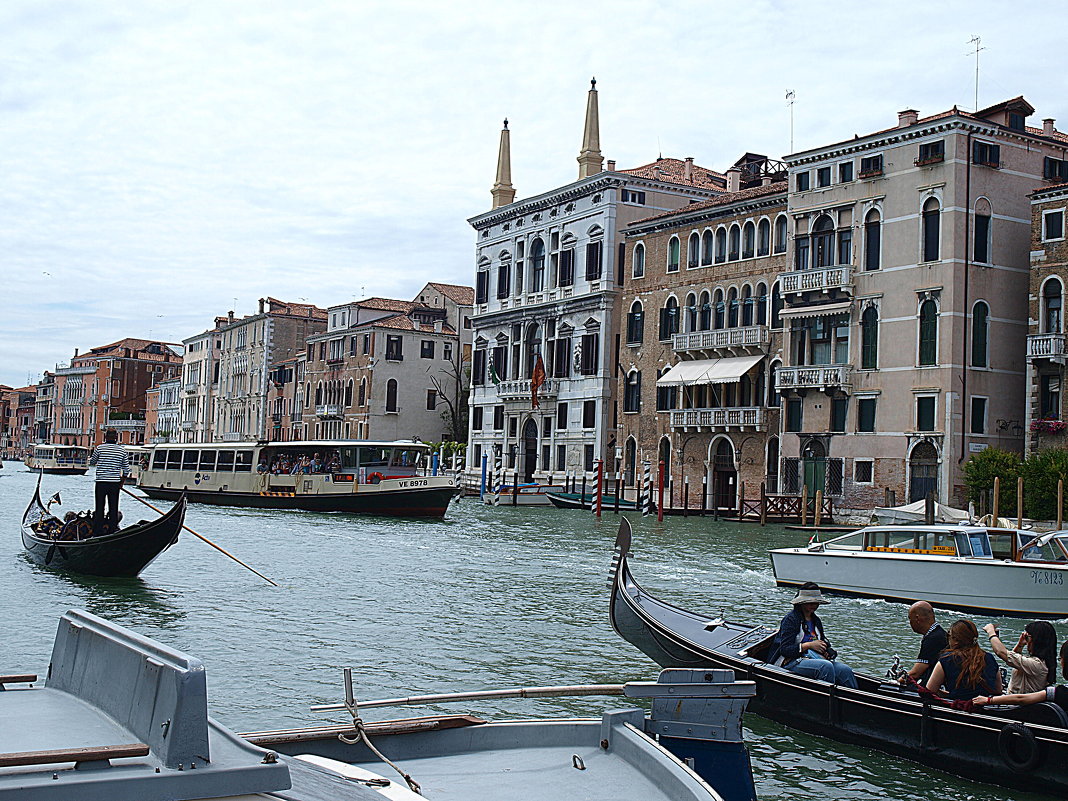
{"points": [[708, 371], [826, 310]]}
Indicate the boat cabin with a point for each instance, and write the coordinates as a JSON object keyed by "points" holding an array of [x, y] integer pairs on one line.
{"points": [[956, 541], [59, 458]]}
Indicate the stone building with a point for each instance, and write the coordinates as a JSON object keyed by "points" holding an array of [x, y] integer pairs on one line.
{"points": [[42, 413], [105, 388], [200, 383], [248, 346], [905, 304], [1046, 352], [546, 290], [390, 369], [702, 340], [285, 399], [17, 429], [163, 411]]}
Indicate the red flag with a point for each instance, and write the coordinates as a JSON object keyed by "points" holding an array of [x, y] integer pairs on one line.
{"points": [[537, 380]]}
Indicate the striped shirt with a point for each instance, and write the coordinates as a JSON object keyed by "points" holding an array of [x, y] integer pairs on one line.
{"points": [[112, 462]]}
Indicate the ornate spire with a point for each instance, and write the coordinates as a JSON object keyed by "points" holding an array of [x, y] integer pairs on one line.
{"points": [[503, 192], [590, 158]]}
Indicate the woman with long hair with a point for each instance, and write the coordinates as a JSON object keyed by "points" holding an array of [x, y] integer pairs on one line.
{"points": [[965, 669], [1037, 668], [1057, 694]]}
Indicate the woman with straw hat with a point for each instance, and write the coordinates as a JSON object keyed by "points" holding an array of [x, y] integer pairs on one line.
{"points": [[802, 646]]}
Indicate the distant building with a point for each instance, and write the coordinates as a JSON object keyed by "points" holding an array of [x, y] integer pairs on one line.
{"points": [[105, 388], [1046, 350], [17, 427], [285, 399], [163, 412], [43, 408], [200, 383], [547, 278]]}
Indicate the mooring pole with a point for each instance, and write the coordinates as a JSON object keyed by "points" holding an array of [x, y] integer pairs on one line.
{"points": [[660, 491]]}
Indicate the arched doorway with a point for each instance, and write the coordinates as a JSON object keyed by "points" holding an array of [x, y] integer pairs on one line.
{"points": [[814, 466], [773, 465], [630, 461], [663, 454], [923, 472], [724, 475], [530, 450]]}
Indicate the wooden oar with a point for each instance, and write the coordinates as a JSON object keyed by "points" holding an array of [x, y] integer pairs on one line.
{"points": [[201, 536]]}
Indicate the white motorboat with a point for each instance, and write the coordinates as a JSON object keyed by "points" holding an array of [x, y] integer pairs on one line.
{"points": [[968, 568]]}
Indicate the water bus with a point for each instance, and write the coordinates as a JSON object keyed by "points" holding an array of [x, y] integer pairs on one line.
{"points": [[63, 460], [139, 456], [359, 476]]}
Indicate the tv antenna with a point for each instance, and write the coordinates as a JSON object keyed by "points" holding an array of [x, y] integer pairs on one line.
{"points": [[977, 41], [791, 98]]}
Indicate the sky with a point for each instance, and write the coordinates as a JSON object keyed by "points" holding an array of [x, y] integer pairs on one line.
{"points": [[164, 162]]}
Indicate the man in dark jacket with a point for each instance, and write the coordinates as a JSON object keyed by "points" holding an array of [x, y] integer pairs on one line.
{"points": [[802, 647]]}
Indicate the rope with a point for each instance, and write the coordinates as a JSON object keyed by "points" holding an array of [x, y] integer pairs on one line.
{"points": [[361, 735]]}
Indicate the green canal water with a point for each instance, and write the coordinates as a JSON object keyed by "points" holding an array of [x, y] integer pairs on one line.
{"points": [[486, 598]]}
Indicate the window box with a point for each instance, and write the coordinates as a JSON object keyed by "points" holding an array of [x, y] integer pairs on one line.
{"points": [[874, 172], [928, 160], [1047, 426]]}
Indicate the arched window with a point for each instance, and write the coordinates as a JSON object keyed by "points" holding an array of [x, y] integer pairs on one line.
{"points": [[1052, 294], [704, 317], [537, 265], [780, 234], [319, 394], [764, 238], [638, 264], [734, 247], [632, 396], [869, 338], [391, 395], [720, 309], [635, 324], [930, 230], [732, 308], [980, 334], [707, 247], [872, 240], [691, 312], [981, 251], [673, 255], [928, 333], [823, 241], [748, 240], [363, 392], [762, 304], [747, 305], [721, 245], [669, 319], [693, 251]]}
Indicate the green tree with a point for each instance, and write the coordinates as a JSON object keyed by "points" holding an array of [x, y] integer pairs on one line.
{"points": [[1040, 472], [981, 470]]}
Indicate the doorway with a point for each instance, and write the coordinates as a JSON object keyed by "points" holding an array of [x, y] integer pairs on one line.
{"points": [[724, 476], [923, 472], [530, 450], [814, 467]]}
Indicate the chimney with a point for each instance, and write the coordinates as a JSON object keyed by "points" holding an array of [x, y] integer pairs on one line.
{"points": [[230, 316], [909, 116], [611, 165], [437, 326], [262, 301], [687, 169], [734, 179], [75, 353], [1047, 126], [765, 180]]}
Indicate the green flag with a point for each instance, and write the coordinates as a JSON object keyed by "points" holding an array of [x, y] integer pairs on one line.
{"points": [[496, 379]]}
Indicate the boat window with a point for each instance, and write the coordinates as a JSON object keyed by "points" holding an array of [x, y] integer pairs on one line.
{"points": [[226, 461], [174, 460], [207, 461], [1001, 543], [189, 460], [910, 541], [159, 460], [348, 458], [973, 543], [244, 462], [1046, 552], [373, 457]]}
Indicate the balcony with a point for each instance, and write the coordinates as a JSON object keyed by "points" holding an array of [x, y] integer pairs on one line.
{"points": [[123, 425], [189, 425], [751, 339], [329, 410], [190, 387], [75, 431], [233, 436], [1046, 346], [83, 370], [520, 390], [829, 377], [276, 418], [840, 277], [737, 418]]}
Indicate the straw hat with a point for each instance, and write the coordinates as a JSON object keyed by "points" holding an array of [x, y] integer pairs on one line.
{"points": [[810, 597]]}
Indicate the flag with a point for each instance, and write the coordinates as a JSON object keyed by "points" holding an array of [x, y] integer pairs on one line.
{"points": [[496, 379], [537, 380]]}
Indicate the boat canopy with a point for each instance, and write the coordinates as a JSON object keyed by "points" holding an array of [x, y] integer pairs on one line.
{"points": [[915, 513]]}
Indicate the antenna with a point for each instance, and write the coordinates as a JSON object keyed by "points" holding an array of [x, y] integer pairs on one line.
{"points": [[976, 40], [791, 98]]}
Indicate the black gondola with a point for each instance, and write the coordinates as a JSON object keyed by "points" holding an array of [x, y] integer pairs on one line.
{"points": [[579, 500], [1021, 747], [125, 552]]}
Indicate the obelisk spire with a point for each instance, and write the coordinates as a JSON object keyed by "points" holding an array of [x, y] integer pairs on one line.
{"points": [[503, 192], [590, 158]]}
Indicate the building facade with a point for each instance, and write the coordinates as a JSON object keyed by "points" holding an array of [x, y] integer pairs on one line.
{"points": [[546, 295], [200, 383], [163, 412], [702, 340], [43, 409], [905, 304]]}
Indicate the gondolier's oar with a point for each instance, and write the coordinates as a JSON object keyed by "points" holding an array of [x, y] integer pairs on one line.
{"points": [[201, 536]]}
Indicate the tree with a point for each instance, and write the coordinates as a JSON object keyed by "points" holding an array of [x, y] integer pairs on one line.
{"points": [[981, 470], [453, 387], [1040, 472]]}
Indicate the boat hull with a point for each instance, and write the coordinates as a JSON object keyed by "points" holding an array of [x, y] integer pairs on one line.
{"points": [[875, 715], [62, 471], [578, 500], [969, 585]]}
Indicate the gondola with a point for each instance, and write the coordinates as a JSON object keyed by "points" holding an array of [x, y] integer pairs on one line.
{"points": [[580, 500], [125, 552], [1020, 747]]}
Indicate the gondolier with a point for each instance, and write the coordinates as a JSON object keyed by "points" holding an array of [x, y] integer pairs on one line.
{"points": [[112, 464]]}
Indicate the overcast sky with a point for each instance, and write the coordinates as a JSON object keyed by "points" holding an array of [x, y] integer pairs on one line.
{"points": [[161, 163]]}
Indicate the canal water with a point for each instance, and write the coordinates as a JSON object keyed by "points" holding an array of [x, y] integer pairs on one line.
{"points": [[489, 597]]}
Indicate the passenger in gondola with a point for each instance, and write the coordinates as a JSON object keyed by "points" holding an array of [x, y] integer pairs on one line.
{"points": [[934, 642], [802, 646], [965, 670], [1056, 693], [1037, 668]]}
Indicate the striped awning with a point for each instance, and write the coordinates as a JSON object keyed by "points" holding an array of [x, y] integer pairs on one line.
{"points": [[824, 310], [708, 371]]}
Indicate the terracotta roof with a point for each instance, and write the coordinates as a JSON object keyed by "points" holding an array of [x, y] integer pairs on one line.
{"points": [[720, 200], [673, 171], [402, 322], [133, 344], [276, 306], [463, 295], [1051, 188], [387, 304]]}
